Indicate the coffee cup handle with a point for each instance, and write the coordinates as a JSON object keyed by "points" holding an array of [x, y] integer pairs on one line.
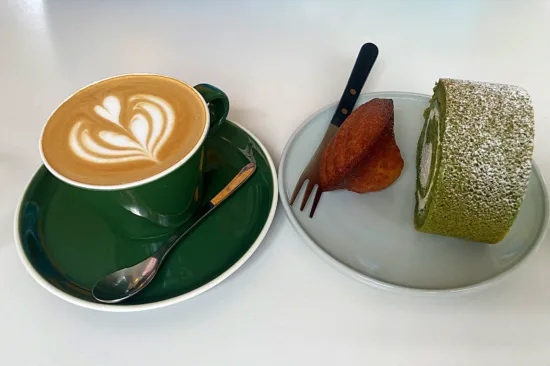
{"points": [[217, 103]]}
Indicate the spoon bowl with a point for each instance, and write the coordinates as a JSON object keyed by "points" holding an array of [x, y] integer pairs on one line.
{"points": [[126, 282]]}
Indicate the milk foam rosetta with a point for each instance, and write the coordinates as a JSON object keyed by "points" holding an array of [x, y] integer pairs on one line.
{"points": [[150, 126], [124, 129]]}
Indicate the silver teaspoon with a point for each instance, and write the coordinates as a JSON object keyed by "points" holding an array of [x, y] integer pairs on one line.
{"points": [[127, 282]]}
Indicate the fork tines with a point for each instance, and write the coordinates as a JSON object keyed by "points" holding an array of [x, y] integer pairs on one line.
{"points": [[309, 189]]}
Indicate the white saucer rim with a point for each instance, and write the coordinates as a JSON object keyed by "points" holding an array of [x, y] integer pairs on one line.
{"points": [[163, 303], [343, 268]]}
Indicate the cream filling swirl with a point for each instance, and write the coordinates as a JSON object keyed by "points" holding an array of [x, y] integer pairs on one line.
{"points": [[427, 156]]}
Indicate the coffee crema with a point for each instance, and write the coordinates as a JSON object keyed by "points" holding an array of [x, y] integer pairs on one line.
{"points": [[123, 130]]}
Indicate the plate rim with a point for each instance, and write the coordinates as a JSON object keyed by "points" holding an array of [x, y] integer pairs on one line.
{"points": [[166, 302], [377, 283]]}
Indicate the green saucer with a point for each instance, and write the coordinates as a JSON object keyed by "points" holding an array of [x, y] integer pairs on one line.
{"points": [[67, 247]]}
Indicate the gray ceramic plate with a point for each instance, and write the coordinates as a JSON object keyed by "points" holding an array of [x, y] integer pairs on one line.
{"points": [[371, 236]]}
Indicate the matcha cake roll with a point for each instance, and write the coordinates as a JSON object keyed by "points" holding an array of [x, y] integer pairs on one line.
{"points": [[473, 160]]}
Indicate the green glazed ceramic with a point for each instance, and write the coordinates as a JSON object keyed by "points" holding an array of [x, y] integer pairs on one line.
{"points": [[66, 245], [158, 204]]}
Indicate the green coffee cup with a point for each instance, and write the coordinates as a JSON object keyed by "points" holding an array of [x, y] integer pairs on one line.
{"points": [[156, 205]]}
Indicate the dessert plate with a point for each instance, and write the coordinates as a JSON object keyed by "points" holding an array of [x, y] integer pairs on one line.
{"points": [[371, 237], [66, 246]]}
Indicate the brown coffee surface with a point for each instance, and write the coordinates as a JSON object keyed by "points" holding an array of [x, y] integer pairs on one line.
{"points": [[124, 129]]}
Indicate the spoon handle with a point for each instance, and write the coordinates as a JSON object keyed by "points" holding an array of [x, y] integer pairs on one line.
{"points": [[235, 183], [245, 173]]}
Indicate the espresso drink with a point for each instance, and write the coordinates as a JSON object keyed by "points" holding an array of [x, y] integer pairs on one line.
{"points": [[124, 129]]}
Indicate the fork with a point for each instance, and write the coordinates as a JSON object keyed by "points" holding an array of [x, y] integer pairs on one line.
{"points": [[363, 65]]}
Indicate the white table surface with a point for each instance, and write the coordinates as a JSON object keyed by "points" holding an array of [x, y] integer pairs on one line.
{"points": [[279, 61]]}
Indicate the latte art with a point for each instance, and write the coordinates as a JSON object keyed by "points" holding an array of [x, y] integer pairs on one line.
{"points": [[140, 137], [123, 130]]}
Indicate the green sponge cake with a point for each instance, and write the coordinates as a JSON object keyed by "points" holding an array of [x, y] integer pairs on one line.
{"points": [[473, 160]]}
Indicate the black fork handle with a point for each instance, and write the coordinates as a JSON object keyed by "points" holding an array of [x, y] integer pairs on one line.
{"points": [[361, 70]]}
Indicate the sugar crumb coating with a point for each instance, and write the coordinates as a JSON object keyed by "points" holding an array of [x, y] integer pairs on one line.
{"points": [[482, 161]]}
